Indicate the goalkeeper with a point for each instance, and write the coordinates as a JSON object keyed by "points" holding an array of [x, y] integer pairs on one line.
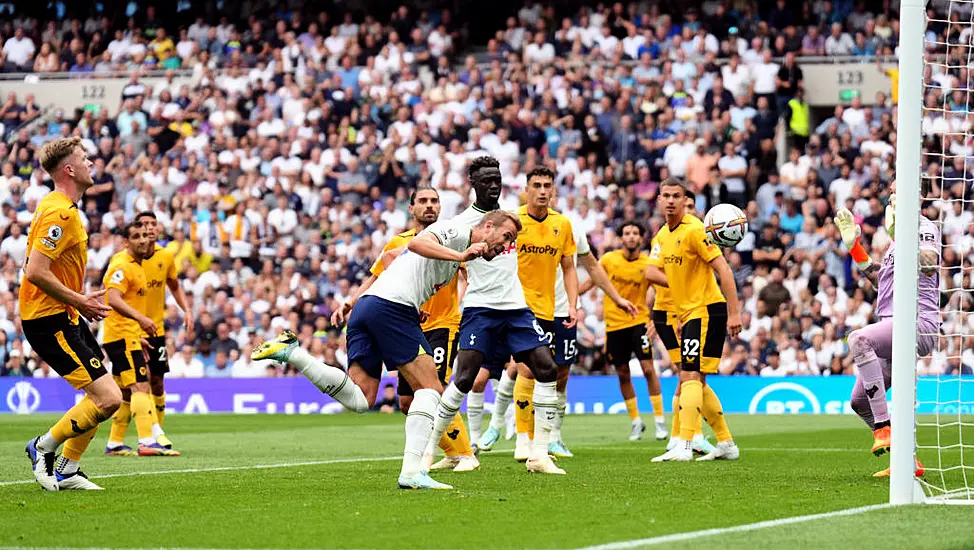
{"points": [[872, 345]]}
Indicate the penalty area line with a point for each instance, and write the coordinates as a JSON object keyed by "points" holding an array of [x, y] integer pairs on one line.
{"points": [[228, 468], [692, 535]]}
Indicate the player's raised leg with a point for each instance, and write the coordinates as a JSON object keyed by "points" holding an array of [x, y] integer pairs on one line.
{"points": [[330, 380]]}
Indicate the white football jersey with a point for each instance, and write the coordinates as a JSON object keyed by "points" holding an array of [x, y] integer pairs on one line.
{"points": [[561, 295], [494, 284], [413, 279]]}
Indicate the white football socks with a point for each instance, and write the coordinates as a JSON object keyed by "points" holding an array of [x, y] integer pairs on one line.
{"points": [[559, 416], [475, 414], [504, 394], [419, 426], [66, 466], [449, 404], [545, 400], [330, 380], [47, 444]]}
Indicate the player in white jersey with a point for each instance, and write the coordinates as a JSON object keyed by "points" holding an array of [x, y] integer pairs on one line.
{"points": [[384, 328], [497, 321], [563, 342]]}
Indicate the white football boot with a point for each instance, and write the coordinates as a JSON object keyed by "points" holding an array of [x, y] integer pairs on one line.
{"points": [[725, 450]]}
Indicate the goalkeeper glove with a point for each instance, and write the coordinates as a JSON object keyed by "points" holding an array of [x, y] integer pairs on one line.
{"points": [[850, 231], [891, 217]]}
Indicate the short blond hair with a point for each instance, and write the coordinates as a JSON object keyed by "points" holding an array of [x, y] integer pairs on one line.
{"points": [[55, 151], [498, 217]]}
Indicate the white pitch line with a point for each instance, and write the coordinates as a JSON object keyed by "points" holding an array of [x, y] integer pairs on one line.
{"points": [[380, 459], [692, 535], [227, 468]]}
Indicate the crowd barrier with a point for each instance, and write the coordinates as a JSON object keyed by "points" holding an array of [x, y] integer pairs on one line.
{"points": [[586, 395]]}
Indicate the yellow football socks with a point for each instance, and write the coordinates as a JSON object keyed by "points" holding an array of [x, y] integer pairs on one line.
{"points": [[524, 409], [632, 407], [76, 446], [160, 403], [78, 420], [142, 411], [714, 413], [657, 402], [120, 422], [455, 441], [691, 401], [675, 432]]}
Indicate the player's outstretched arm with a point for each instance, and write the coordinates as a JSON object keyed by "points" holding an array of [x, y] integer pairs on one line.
{"points": [[729, 287], [428, 246], [849, 230], [600, 278], [117, 303], [656, 276]]}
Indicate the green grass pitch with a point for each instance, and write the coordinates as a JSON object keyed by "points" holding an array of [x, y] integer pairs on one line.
{"points": [[339, 491]]}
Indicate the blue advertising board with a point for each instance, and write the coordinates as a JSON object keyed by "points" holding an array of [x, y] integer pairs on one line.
{"points": [[586, 395]]}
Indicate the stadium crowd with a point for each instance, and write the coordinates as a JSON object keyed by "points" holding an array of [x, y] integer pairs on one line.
{"points": [[284, 167]]}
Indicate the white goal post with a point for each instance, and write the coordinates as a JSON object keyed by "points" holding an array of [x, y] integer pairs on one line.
{"points": [[933, 427]]}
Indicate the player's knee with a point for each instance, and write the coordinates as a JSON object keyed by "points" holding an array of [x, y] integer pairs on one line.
{"points": [[622, 371], [464, 378], [156, 384], [107, 397], [859, 343], [540, 362]]}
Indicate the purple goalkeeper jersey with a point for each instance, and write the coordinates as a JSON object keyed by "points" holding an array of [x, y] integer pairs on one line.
{"points": [[928, 291]]}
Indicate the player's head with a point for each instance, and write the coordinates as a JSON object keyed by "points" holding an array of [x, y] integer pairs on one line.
{"points": [[150, 223], [66, 161], [498, 228], [484, 174], [137, 240], [691, 201], [424, 205], [672, 198], [540, 187], [632, 234]]}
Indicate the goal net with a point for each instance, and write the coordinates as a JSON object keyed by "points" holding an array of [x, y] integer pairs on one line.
{"points": [[941, 403]]}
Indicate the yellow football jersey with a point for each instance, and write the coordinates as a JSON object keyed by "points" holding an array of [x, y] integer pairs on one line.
{"points": [[444, 306], [127, 276], [684, 254], [663, 302], [57, 232], [159, 268], [628, 277], [540, 247]]}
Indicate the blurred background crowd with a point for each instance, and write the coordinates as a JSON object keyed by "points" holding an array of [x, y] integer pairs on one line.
{"points": [[285, 164]]}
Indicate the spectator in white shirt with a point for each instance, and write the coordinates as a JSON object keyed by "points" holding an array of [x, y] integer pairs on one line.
{"points": [[737, 77], [838, 42], [765, 75], [19, 51], [15, 245], [185, 364], [539, 51]]}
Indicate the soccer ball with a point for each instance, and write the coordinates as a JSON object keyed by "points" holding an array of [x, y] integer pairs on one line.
{"points": [[726, 224]]}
